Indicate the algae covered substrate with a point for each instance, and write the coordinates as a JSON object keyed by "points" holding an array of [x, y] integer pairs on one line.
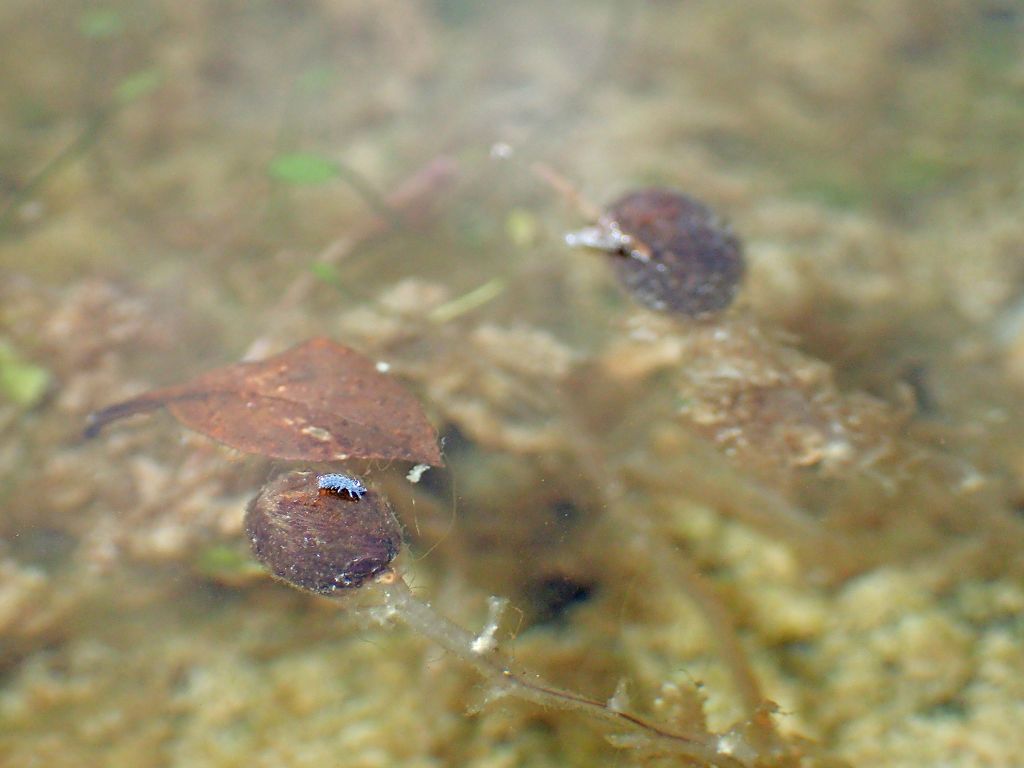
{"points": [[795, 523]]}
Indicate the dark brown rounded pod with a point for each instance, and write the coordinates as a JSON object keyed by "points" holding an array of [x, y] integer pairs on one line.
{"points": [[676, 254], [319, 540]]}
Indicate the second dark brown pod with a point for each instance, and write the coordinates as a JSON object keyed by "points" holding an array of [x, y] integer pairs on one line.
{"points": [[670, 251], [318, 540]]}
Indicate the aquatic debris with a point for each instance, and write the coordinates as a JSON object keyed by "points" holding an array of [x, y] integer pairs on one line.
{"points": [[321, 542], [467, 302], [317, 543], [299, 168], [318, 401], [21, 382], [415, 474], [335, 482], [672, 253]]}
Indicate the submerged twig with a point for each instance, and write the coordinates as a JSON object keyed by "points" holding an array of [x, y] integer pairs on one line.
{"points": [[483, 654], [77, 147]]}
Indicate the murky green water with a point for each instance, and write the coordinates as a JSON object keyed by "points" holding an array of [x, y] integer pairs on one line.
{"points": [[812, 498]]}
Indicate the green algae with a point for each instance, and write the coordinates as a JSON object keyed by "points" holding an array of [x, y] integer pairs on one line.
{"points": [[303, 168], [227, 564], [101, 23], [21, 382]]}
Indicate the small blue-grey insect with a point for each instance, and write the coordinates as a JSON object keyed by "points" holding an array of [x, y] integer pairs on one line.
{"points": [[335, 482]]}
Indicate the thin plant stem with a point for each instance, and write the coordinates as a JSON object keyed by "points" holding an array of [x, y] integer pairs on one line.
{"points": [[483, 654], [74, 149]]}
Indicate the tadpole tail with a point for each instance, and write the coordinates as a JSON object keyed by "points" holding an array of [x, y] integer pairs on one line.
{"points": [[97, 420]]}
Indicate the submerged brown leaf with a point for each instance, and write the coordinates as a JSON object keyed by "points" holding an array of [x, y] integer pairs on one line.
{"points": [[318, 401]]}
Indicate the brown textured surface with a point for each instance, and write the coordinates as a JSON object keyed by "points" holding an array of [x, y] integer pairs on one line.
{"points": [[321, 541], [695, 263], [879, 202], [318, 401]]}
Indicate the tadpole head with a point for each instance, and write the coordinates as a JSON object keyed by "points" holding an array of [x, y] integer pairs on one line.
{"points": [[321, 542]]}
